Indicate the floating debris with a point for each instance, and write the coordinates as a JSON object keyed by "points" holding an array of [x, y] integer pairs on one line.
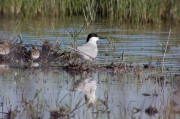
{"points": [[146, 94], [151, 111], [147, 66]]}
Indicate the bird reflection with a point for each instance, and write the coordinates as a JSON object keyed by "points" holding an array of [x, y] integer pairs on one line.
{"points": [[34, 64], [87, 86]]}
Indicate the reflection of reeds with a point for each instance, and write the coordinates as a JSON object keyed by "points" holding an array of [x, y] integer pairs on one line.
{"points": [[133, 11]]}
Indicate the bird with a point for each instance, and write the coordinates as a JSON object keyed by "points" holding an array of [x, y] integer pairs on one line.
{"points": [[34, 52], [46, 47], [89, 50], [4, 48], [87, 86]]}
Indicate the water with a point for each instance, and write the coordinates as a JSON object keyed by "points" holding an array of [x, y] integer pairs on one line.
{"points": [[110, 95]]}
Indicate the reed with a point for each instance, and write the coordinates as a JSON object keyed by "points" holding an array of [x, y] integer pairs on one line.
{"points": [[131, 11], [165, 51]]}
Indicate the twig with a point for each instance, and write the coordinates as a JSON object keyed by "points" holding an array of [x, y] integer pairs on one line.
{"points": [[148, 59], [122, 62], [74, 34], [165, 51], [35, 33], [80, 30], [123, 56]]}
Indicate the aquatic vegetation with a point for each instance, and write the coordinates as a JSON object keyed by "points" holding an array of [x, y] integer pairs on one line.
{"points": [[74, 34], [129, 11]]}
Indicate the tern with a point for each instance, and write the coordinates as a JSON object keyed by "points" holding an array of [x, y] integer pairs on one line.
{"points": [[89, 50]]}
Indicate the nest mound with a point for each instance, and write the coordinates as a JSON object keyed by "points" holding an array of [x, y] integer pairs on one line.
{"points": [[52, 56]]}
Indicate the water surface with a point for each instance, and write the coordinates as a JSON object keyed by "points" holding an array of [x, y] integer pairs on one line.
{"points": [[111, 95]]}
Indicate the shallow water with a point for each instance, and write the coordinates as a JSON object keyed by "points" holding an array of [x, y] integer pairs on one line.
{"points": [[122, 92], [57, 88]]}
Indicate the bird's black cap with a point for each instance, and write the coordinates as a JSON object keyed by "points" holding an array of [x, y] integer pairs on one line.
{"points": [[91, 35]]}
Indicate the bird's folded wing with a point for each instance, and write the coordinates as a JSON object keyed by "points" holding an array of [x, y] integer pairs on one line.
{"points": [[89, 50], [80, 52]]}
